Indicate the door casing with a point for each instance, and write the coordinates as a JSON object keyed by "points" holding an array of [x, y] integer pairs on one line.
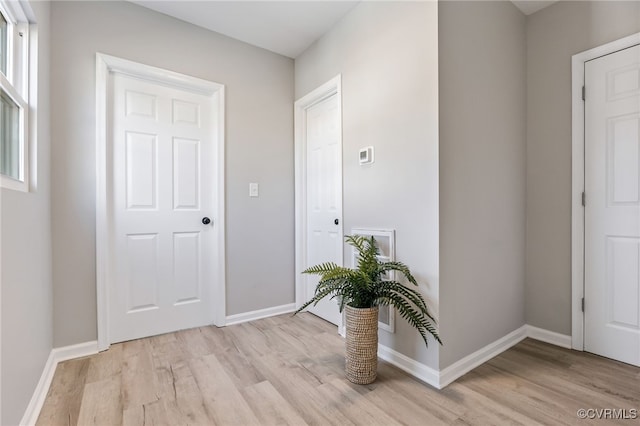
{"points": [[106, 64], [332, 87], [577, 179]]}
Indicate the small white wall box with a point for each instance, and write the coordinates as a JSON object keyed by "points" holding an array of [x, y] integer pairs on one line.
{"points": [[254, 190], [386, 242], [365, 155]]}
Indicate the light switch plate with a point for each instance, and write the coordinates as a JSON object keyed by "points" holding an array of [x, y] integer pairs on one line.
{"points": [[254, 190]]}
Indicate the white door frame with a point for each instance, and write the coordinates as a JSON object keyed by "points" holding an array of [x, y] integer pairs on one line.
{"points": [[330, 88], [577, 179], [105, 65]]}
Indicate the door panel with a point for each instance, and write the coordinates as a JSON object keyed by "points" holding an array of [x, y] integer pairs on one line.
{"points": [[186, 174], [140, 104], [142, 272], [612, 211], [324, 196], [162, 183], [622, 279], [141, 161], [186, 266]]}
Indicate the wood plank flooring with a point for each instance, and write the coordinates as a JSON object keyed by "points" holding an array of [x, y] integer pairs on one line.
{"points": [[290, 371]]}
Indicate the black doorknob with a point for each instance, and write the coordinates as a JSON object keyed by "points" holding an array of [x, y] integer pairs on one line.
{"points": [[206, 220], [336, 221]]}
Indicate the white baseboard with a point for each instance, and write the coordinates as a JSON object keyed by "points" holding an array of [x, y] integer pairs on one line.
{"points": [[261, 313], [468, 363], [442, 378], [547, 336], [411, 366], [56, 356], [471, 361], [342, 330], [32, 412], [75, 351]]}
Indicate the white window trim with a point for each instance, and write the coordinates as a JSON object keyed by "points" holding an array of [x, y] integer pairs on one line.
{"points": [[16, 85], [22, 183]]}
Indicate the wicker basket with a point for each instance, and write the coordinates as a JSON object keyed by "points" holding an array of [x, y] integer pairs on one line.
{"points": [[361, 361]]}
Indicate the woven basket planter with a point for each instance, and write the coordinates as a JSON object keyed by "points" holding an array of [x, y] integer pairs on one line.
{"points": [[361, 361]]}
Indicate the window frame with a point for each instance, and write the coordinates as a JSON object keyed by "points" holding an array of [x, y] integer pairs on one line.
{"points": [[6, 65], [16, 86]]}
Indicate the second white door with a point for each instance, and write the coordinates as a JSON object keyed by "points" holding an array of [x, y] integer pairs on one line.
{"points": [[163, 205], [612, 212], [324, 195]]}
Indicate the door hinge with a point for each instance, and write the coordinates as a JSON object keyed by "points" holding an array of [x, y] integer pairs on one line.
{"points": [[584, 90], [584, 199], [583, 304]]}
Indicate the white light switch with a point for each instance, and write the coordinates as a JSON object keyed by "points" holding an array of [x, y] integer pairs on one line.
{"points": [[253, 190]]}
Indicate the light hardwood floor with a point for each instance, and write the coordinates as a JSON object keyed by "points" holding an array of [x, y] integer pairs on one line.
{"points": [[289, 370]]}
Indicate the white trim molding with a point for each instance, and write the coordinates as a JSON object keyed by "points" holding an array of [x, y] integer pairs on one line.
{"points": [[577, 179], [105, 65], [410, 365], [80, 350], [440, 379], [19, 82], [56, 356], [446, 376], [479, 357], [547, 336], [259, 314]]}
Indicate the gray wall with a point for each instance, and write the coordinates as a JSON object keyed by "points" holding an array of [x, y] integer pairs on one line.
{"points": [[387, 53], [259, 123], [482, 174], [27, 334], [553, 35]]}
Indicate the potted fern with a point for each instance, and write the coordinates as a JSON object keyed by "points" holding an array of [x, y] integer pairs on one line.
{"points": [[359, 292]]}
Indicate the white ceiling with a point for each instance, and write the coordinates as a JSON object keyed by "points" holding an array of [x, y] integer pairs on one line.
{"points": [[284, 27]]}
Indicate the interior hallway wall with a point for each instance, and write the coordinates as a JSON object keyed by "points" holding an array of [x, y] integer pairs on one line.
{"points": [[387, 54], [482, 174], [27, 300], [259, 148], [555, 34]]}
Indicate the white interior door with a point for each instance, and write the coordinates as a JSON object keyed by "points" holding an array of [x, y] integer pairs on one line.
{"points": [[161, 184], [323, 195], [612, 211]]}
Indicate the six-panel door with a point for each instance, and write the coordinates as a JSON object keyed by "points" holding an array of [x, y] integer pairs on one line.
{"points": [[324, 196], [612, 212], [162, 184]]}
